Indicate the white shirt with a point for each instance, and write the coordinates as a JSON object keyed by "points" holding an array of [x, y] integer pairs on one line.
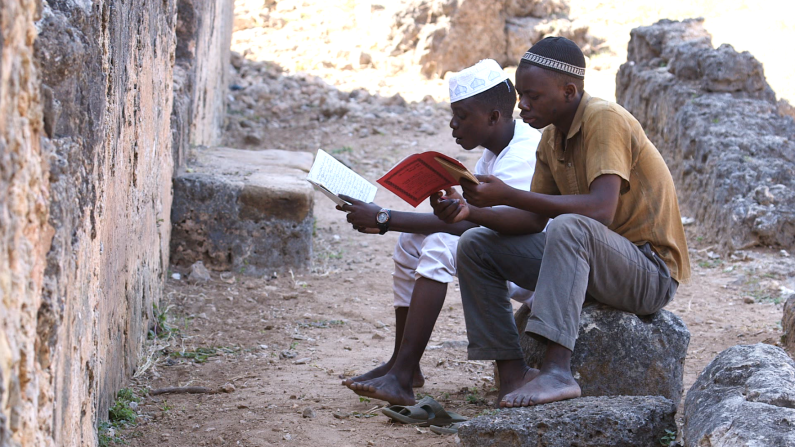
{"points": [[517, 162]]}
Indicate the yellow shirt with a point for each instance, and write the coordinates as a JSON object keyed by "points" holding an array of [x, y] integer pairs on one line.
{"points": [[606, 139]]}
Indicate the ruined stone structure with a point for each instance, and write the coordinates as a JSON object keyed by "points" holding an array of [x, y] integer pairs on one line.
{"points": [[449, 35], [85, 194], [716, 122]]}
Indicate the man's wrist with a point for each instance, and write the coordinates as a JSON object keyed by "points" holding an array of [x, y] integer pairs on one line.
{"points": [[382, 218]]}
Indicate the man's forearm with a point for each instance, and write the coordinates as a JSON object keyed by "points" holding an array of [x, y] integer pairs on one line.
{"points": [[425, 223], [552, 206]]}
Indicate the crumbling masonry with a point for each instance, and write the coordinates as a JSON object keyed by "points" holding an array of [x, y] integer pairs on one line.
{"points": [[86, 160]]}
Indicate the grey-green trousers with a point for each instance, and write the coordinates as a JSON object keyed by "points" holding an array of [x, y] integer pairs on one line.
{"points": [[576, 256]]}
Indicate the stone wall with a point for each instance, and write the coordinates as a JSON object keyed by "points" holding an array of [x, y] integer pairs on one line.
{"points": [[105, 69], [85, 195], [24, 233], [201, 73], [716, 122]]}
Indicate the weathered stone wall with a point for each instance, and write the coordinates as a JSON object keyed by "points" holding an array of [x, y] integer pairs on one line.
{"points": [[105, 68], [85, 197], [24, 233], [715, 120], [201, 73]]}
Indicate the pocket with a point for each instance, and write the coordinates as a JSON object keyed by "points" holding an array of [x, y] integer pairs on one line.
{"points": [[666, 286]]}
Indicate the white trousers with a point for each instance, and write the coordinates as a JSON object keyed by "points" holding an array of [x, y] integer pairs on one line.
{"points": [[430, 256]]}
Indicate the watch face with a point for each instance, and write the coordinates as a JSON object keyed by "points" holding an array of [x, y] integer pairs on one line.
{"points": [[381, 217]]}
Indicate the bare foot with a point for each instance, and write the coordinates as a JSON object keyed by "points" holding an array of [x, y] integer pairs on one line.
{"points": [[549, 386], [507, 386], [417, 382], [385, 388]]}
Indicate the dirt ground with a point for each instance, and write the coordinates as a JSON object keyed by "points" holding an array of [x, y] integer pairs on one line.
{"points": [[274, 347]]}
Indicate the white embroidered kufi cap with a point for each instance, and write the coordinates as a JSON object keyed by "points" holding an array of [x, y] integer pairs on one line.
{"points": [[475, 79]]}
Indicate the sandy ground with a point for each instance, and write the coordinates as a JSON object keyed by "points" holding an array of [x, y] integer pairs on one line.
{"points": [[282, 342]]}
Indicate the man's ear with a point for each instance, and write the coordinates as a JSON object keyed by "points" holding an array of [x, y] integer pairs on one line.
{"points": [[494, 117], [570, 91]]}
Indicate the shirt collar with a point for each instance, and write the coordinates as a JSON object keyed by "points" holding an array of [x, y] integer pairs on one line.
{"points": [[577, 122]]}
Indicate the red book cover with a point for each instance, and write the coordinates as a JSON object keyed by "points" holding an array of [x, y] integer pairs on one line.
{"points": [[418, 176]]}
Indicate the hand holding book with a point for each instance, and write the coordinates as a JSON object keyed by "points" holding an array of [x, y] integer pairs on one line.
{"points": [[418, 176]]}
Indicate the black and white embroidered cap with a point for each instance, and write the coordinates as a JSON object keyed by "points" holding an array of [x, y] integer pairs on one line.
{"points": [[557, 54]]}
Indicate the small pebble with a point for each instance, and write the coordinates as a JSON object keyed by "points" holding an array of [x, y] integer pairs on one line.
{"points": [[177, 276], [309, 412], [749, 300], [340, 415], [303, 361], [228, 388]]}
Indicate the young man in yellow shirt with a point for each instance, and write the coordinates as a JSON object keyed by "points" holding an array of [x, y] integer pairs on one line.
{"points": [[616, 236]]}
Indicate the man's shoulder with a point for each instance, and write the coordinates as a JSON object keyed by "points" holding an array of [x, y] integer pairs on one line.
{"points": [[598, 108]]}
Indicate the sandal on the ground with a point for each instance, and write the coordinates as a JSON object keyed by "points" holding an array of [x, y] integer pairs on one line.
{"points": [[424, 413], [448, 430]]}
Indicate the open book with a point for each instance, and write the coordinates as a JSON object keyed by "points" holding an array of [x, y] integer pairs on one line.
{"points": [[333, 178], [418, 176]]}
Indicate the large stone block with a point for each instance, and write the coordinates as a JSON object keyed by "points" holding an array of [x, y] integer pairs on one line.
{"points": [[584, 422], [619, 353], [744, 397], [242, 210], [788, 324]]}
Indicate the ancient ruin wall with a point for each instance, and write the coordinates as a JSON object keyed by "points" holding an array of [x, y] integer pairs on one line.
{"points": [[85, 196], [24, 233], [715, 120], [106, 77], [201, 73]]}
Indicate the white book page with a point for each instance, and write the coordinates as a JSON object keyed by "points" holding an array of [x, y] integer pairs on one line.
{"points": [[329, 174]]}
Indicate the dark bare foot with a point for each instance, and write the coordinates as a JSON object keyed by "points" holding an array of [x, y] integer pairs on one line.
{"points": [[508, 386], [550, 385], [385, 388], [417, 382]]}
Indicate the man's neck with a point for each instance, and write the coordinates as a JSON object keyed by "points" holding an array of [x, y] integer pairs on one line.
{"points": [[564, 123], [502, 138]]}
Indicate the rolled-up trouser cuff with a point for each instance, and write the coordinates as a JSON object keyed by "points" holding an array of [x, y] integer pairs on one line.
{"points": [[494, 354], [550, 333]]}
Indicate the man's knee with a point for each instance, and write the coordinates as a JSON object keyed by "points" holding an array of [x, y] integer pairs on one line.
{"points": [[472, 241], [570, 226]]}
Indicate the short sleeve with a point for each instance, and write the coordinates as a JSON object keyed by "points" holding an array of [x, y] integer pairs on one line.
{"points": [[543, 181], [607, 141]]}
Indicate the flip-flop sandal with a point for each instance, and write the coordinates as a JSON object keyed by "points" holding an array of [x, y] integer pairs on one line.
{"points": [[448, 430], [424, 413]]}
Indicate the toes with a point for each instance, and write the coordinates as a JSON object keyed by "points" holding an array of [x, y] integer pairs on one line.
{"points": [[526, 401]]}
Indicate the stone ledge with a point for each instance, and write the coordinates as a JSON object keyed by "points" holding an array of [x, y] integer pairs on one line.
{"points": [[243, 210], [621, 354], [584, 422]]}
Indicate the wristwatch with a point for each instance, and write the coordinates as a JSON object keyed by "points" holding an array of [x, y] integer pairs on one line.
{"points": [[382, 220]]}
